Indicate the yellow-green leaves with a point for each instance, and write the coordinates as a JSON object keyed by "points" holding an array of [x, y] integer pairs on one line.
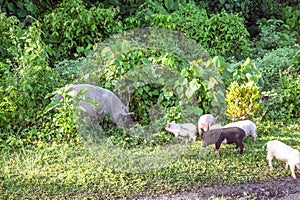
{"points": [[242, 100]]}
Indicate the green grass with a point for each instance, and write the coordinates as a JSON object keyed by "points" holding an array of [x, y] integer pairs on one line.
{"points": [[76, 172]]}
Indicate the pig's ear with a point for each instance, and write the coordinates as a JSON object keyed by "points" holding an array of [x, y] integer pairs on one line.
{"points": [[216, 118], [202, 133]]}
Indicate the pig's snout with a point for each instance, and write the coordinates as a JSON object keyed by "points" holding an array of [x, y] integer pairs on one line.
{"points": [[168, 126], [204, 127]]}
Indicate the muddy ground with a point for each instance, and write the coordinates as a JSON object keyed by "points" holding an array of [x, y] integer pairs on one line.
{"points": [[286, 189]]}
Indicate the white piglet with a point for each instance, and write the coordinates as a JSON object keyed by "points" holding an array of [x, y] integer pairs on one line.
{"points": [[284, 153], [247, 125], [205, 122], [185, 130]]}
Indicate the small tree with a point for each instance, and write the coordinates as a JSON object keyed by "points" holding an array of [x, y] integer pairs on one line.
{"points": [[242, 100]]}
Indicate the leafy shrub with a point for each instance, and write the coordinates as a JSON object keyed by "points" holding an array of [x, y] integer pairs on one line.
{"points": [[241, 72], [28, 79], [227, 35], [72, 28], [25, 8], [273, 34], [235, 6], [61, 125], [276, 64], [68, 70], [283, 103], [221, 34], [8, 25], [242, 100], [292, 18], [281, 72]]}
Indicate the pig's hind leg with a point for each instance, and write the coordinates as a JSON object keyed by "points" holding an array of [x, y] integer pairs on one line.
{"points": [[292, 167]]}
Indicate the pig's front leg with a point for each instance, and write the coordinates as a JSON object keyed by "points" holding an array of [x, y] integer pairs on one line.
{"points": [[218, 144], [176, 134], [269, 158]]}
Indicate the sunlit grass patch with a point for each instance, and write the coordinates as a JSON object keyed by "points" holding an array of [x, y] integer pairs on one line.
{"points": [[67, 171]]}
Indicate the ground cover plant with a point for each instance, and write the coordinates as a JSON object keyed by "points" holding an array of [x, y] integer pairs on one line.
{"points": [[72, 171], [237, 59]]}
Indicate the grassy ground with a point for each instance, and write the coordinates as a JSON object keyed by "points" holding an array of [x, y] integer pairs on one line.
{"points": [[76, 172]]}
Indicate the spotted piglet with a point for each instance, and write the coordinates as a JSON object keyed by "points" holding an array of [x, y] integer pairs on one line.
{"points": [[232, 135], [284, 153]]}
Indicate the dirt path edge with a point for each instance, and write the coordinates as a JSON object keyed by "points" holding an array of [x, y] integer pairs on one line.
{"points": [[285, 189]]}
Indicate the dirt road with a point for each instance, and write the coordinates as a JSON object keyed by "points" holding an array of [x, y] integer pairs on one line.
{"points": [[287, 189]]}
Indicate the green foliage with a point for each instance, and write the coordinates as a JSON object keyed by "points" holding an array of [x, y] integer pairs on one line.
{"points": [[280, 69], [8, 26], [292, 18], [242, 101], [276, 64], [265, 9], [283, 102], [222, 34], [143, 15], [27, 80], [61, 125], [235, 6], [227, 35], [241, 72], [25, 8], [72, 29], [68, 70], [273, 34]]}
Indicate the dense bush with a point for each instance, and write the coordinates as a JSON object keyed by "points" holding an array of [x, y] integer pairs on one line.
{"points": [[291, 15], [276, 64], [281, 71], [273, 34], [27, 80], [8, 26], [242, 101], [72, 29], [227, 36], [221, 34], [240, 72]]}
